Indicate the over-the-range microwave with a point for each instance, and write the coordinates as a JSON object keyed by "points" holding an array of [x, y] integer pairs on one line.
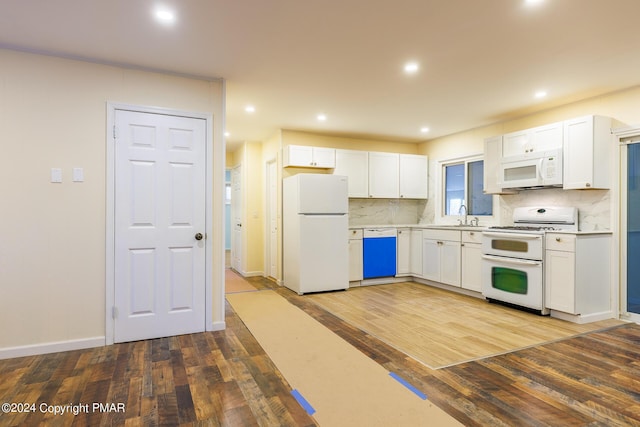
{"points": [[543, 169]]}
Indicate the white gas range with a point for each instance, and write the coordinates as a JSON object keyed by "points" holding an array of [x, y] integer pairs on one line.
{"points": [[512, 260]]}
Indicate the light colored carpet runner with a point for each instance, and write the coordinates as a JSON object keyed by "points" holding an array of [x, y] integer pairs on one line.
{"points": [[332, 380], [233, 282]]}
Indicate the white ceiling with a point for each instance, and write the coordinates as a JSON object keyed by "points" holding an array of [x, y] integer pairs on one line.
{"points": [[481, 61]]}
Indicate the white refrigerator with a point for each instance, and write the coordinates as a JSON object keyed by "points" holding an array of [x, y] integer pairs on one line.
{"points": [[315, 223]]}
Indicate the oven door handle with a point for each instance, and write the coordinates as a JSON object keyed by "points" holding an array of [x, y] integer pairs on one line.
{"points": [[512, 235], [511, 260]]}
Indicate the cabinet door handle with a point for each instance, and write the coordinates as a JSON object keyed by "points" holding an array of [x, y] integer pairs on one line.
{"points": [[558, 239]]}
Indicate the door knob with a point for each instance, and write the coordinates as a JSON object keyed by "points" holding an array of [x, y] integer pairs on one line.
{"points": [[199, 236]]}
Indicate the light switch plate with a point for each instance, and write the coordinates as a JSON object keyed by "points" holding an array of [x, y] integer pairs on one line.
{"points": [[78, 175], [56, 175]]}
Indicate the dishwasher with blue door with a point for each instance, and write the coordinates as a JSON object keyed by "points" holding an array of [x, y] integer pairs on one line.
{"points": [[379, 252]]}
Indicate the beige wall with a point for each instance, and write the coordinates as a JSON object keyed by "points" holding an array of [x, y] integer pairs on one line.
{"points": [[249, 157], [623, 107], [52, 236], [254, 161]]}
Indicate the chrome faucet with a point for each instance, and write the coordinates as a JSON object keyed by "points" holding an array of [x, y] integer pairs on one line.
{"points": [[465, 214]]}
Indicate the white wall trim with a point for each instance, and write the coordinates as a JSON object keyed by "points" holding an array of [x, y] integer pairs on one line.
{"points": [[51, 347], [438, 176], [218, 326], [267, 216], [110, 214], [622, 137], [256, 273]]}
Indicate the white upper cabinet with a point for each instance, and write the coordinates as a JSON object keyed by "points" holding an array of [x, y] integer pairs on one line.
{"points": [[413, 176], [492, 159], [548, 137], [515, 143], [587, 153], [310, 157], [384, 177], [542, 138], [354, 164]]}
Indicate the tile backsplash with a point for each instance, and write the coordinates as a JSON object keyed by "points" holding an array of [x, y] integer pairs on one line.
{"points": [[594, 206], [385, 211]]}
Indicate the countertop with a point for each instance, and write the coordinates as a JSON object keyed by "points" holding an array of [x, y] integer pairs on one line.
{"points": [[464, 228], [434, 226]]}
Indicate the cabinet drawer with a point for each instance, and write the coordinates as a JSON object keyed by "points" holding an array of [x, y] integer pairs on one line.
{"points": [[472, 236], [435, 234], [561, 242], [355, 234]]}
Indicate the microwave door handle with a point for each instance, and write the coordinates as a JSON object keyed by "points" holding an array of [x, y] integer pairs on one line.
{"points": [[540, 175], [507, 260]]}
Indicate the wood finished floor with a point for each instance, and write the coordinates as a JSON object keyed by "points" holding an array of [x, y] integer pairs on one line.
{"points": [[419, 321], [224, 378]]}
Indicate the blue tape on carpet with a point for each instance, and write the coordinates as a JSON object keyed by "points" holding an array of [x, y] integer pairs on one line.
{"points": [[303, 402], [405, 383]]}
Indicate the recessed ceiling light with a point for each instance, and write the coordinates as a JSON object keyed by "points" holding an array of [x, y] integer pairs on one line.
{"points": [[411, 67], [533, 2], [227, 134], [540, 94], [322, 117], [250, 109], [424, 129], [165, 16]]}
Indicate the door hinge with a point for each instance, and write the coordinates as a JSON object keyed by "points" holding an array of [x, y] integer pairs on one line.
{"points": [[114, 312], [115, 132]]}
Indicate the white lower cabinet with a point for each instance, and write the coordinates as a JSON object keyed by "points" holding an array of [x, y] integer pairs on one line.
{"points": [[471, 260], [355, 255], [441, 256], [403, 257], [577, 273], [415, 261]]}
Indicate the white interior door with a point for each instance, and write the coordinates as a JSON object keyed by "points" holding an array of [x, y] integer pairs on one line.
{"points": [[160, 204], [272, 221], [236, 215]]}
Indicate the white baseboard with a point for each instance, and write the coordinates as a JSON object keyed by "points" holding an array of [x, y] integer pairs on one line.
{"points": [[382, 281], [51, 347], [253, 273], [218, 326], [455, 289], [582, 318]]}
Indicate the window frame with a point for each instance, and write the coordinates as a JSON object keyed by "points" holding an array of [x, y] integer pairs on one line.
{"points": [[440, 216]]}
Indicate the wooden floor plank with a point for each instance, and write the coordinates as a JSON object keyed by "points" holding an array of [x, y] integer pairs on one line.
{"points": [[441, 328], [225, 378]]}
